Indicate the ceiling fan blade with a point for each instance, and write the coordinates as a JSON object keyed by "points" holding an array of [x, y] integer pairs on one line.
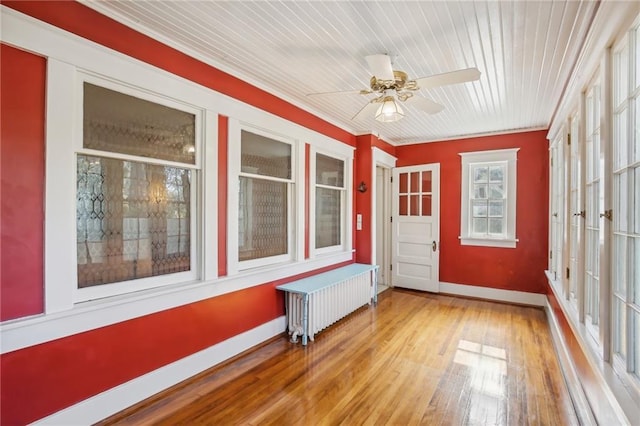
{"points": [[368, 109], [424, 104], [444, 79], [380, 66], [342, 92]]}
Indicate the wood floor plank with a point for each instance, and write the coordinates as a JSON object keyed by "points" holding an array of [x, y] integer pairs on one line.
{"points": [[415, 358]]}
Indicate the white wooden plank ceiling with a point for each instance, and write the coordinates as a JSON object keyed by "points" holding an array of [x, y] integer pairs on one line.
{"points": [[525, 51]]}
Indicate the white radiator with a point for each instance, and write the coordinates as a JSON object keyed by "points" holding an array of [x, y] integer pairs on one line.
{"points": [[329, 304]]}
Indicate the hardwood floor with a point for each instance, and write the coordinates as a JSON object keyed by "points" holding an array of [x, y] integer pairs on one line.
{"points": [[416, 358]]}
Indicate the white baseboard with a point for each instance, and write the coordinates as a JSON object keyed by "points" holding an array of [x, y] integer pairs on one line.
{"points": [[127, 394], [511, 296]]}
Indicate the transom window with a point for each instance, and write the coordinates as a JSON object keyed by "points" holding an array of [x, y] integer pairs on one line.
{"points": [[488, 198]]}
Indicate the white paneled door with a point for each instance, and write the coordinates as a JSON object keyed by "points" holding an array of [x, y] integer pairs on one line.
{"points": [[416, 227]]}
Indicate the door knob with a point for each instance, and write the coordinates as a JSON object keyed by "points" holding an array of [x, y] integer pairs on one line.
{"points": [[434, 246]]}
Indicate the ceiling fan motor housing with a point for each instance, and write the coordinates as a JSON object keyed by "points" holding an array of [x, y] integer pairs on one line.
{"points": [[399, 81]]}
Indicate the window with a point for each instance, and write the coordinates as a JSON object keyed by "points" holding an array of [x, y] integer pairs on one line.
{"points": [[265, 200], [594, 202], [134, 191], [488, 216], [625, 309], [330, 192], [556, 221], [603, 292], [576, 213]]}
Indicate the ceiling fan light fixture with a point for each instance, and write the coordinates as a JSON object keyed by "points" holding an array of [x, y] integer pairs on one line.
{"points": [[389, 111]]}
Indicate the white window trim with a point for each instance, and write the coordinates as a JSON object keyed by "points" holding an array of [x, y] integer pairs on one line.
{"points": [[129, 286], [500, 155], [64, 141], [345, 214], [234, 265]]}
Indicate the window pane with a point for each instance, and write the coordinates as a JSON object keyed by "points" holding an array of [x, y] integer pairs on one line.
{"points": [[403, 208], [262, 218], [619, 327], [414, 205], [496, 208], [480, 174], [426, 205], [620, 195], [636, 201], [619, 266], [116, 122], [636, 132], [133, 220], [620, 144], [621, 80], [327, 217], [479, 226], [496, 174], [636, 54], [264, 156], [480, 190], [426, 181], [496, 190], [496, 226], [404, 183], [479, 208], [415, 182], [636, 341], [329, 171], [635, 270]]}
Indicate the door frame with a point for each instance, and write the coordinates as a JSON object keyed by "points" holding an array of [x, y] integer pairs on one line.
{"points": [[387, 162]]}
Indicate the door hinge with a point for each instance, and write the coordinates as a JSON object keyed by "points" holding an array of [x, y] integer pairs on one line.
{"points": [[568, 273], [391, 219], [391, 267], [569, 139], [550, 254]]}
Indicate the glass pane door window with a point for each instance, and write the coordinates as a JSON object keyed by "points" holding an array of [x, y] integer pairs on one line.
{"points": [[575, 210], [626, 203], [594, 204], [415, 194]]}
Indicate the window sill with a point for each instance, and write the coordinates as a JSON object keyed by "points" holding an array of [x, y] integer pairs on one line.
{"points": [[24, 332], [488, 242], [622, 396]]}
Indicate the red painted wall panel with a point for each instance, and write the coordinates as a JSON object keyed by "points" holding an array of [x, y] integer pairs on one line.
{"points": [[307, 189], [22, 109], [223, 150], [519, 269], [40, 380], [363, 165]]}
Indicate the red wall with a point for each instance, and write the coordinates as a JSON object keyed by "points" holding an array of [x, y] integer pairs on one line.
{"points": [[22, 80], [42, 379], [519, 269], [363, 161], [39, 380]]}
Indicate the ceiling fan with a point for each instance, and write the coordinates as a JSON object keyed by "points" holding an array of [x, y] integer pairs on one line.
{"points": [[393, 87]]}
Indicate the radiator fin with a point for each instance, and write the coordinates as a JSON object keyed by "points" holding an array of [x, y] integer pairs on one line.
{"points": [[329, 304]]}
